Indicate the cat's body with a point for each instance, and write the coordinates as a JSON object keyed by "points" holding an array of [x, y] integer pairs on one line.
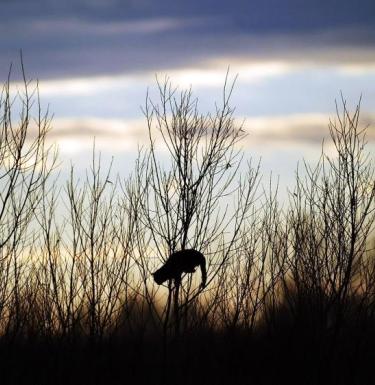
{"points": [[183, 261]]}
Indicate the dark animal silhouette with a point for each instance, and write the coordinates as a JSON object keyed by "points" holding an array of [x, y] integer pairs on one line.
{"points": [[183, 261]]}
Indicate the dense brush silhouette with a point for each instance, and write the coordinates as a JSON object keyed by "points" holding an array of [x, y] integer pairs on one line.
{"points": [[291, 296], [183, 261]]}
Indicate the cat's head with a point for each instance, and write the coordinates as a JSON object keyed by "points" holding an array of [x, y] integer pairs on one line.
{"points": [[159, 276]]}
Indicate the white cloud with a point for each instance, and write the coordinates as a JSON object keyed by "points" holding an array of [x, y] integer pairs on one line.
{"points": [[250, 72], [117, 135], [75, 135], [297, 129], [359, 69], [210, 75], [85, 85]]}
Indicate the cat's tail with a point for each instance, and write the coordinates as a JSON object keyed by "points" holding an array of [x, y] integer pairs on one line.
{"points": [[203, 271]]}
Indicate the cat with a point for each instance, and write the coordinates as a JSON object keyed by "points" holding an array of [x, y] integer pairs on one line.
{"points": [[183, 261]]}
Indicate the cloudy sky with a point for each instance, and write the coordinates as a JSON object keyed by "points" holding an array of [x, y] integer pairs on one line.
{"points": [[95, 60]]}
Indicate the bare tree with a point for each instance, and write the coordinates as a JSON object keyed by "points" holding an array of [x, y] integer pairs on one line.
{"points": [[331, 219], [26, 162], [192, 194], [101, 231]]}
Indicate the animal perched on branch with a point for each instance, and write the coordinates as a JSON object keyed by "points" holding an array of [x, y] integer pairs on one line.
{"points": [[183, 261]]}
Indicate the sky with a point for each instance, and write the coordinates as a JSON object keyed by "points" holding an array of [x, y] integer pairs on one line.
{"points": [[96, 59]]}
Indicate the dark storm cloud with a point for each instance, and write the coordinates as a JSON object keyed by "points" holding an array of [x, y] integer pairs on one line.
{"points": [[88, 37], [260, 14]]}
